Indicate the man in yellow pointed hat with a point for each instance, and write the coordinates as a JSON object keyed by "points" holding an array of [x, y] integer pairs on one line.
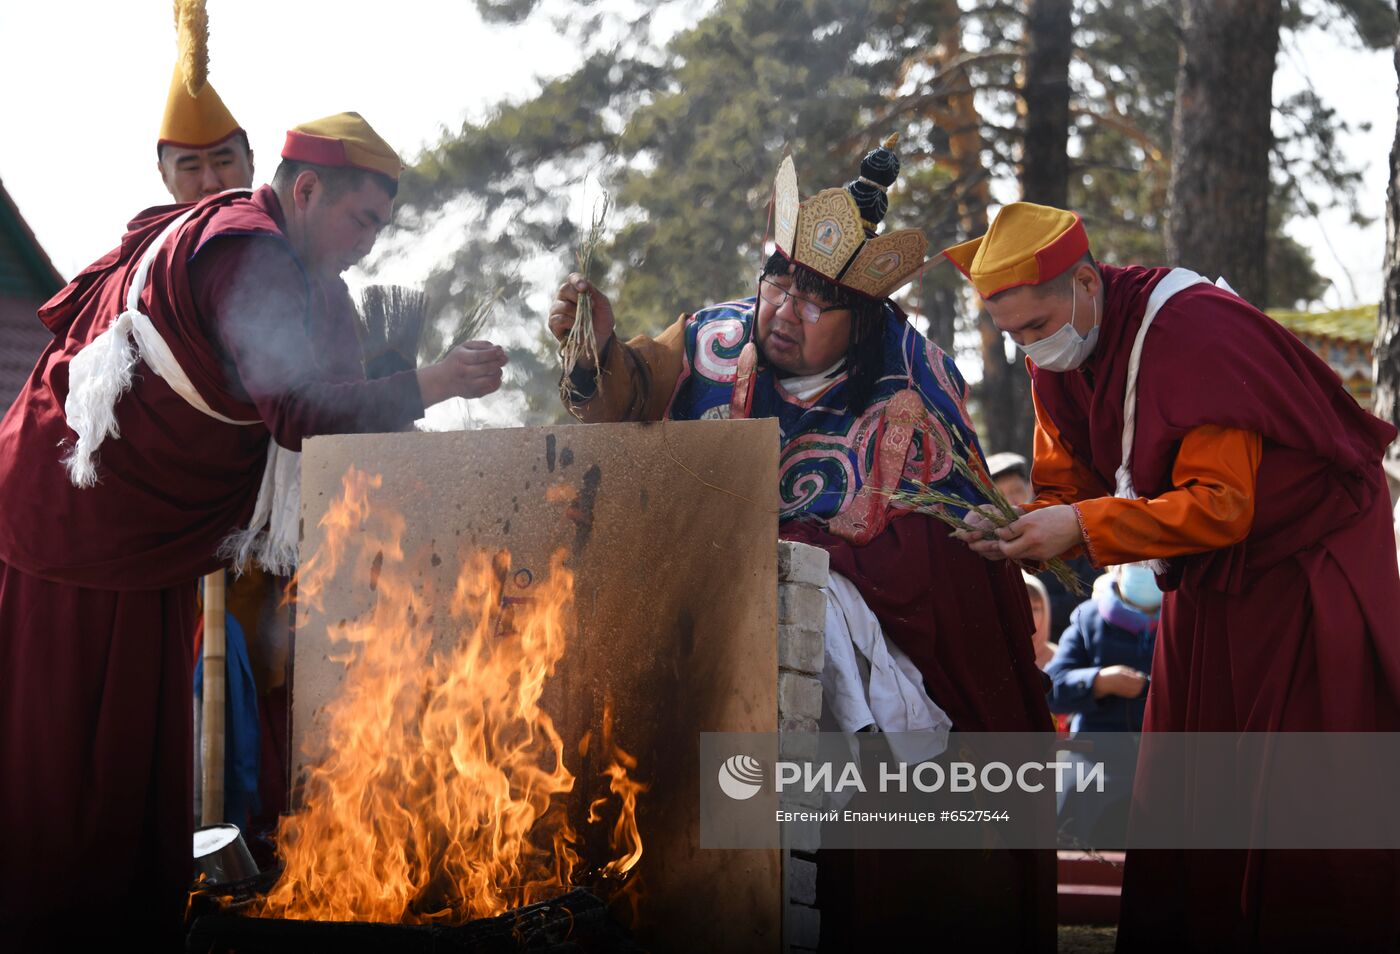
{"points": [[858, 394], [157, 440], [201, 149], [1178, 425]]}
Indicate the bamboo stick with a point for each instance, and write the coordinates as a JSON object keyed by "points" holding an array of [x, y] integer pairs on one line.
{"points": [[215, 692]]}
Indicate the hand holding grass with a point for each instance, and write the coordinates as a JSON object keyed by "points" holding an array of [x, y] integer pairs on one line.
{"points": [[1041, 534], [994, 529], [581, 347], [563, 315]]}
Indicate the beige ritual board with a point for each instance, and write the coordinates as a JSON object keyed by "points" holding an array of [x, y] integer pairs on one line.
{"points": [[670, 529]]}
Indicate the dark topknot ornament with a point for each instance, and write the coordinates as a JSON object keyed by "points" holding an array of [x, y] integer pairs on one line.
{"points": [[833, 232], [878, 171]]}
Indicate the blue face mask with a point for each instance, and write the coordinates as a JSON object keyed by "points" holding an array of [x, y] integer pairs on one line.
{"points": [[1066, 349], [1138, 586]]}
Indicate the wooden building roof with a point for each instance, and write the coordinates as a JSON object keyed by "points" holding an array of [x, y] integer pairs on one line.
{"points": [[27, 280]]}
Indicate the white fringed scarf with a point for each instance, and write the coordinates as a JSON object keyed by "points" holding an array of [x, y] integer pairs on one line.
{"points": [[101, 373]]}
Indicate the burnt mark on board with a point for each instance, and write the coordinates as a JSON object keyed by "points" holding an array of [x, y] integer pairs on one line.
{"points": [[582, 511]]}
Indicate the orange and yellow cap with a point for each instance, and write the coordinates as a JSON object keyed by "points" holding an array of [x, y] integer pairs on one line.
{"points": [[194, 122], [344, 139], [1026, 244]]}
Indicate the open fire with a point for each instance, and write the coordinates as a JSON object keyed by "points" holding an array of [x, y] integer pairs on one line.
{"points": [[440, 790]]}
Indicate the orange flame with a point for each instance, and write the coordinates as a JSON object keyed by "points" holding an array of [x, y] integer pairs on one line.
{"points": [[441, 796], [624, 837]]}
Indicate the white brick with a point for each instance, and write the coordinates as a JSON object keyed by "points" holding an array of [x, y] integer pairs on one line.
{"points": [[800, 648], [799, 696], [798, 746], [801, 605], [802, 835], [801, 880], [794, 724], [802, 927], [802, 563]]}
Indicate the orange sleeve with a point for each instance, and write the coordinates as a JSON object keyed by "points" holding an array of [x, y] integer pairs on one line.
{"points": [[1211, 505], [637, 379], [1057, 476]]}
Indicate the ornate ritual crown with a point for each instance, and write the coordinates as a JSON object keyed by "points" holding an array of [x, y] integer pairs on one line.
{"points": [[833, 232]]}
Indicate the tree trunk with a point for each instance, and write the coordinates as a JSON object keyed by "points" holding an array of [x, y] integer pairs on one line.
{"points": [[1045, 102], [1003, 394], [1221, 140], [940, 306], [1387, 350]]}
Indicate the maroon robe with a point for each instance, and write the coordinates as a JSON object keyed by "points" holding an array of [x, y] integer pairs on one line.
{"points": [[177, 481], [966, 624], [97, 584], [1295, 628]]}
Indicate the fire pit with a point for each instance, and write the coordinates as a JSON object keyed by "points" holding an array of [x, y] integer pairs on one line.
{"points": [[508, 643], [574, 922]]}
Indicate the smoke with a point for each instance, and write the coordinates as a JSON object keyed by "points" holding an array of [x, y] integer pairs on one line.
{"points": [[289, 340]]}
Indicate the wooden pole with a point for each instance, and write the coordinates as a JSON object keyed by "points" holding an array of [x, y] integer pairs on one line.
{"points": [[215, 692]]}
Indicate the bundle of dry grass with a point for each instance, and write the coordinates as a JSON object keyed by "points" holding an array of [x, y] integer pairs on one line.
{"points": [[582, 343], [473, 323], [935, 502], [391, 328]]}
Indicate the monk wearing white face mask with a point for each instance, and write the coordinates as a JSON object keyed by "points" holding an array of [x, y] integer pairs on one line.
{"points": [[1177, 424]]}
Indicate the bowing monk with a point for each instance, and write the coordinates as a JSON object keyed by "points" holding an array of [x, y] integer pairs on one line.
{"points": [[1179, 425], [157, 439]]}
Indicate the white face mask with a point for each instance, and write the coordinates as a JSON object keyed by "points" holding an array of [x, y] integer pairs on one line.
{"points": [[1066, 349], [1138, 585]]}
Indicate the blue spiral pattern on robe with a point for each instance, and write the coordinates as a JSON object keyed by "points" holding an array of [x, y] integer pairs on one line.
{"points": [[827, 451]]}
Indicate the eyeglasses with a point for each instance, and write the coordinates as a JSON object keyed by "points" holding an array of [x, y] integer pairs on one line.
{"points": [[806, 309]]}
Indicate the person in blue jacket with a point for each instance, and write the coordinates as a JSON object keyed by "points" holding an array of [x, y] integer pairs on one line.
{"points": [[1100, 674]]}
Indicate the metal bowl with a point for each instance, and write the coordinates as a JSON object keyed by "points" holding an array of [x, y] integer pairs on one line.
{"points": [[221, 855]]}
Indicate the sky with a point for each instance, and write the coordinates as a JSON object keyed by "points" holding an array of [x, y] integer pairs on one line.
{"points": [[85, 84], [85, 81]]}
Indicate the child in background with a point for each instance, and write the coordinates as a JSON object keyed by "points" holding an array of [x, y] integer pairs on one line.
{"points": [[1100, 675], [1040, 611]]}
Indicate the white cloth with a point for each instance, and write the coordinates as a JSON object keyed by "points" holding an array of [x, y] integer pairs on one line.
{"points": [[868, 681], [101, 373], [804, 388], [1177, 280], [810, 385]]}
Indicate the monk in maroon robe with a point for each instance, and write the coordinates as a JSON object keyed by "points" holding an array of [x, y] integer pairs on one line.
{"points": [[1178, 424], [242, 308]]}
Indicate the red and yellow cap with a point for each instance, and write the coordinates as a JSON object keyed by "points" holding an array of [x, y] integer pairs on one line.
{"points": [[194, 122], [344, 139], [1027, 244]]}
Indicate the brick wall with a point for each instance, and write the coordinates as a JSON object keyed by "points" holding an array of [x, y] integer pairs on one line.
{"points": [[802, 572]]}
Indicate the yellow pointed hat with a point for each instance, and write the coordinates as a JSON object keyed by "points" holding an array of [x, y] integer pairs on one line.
{"points": [[195, 122], [1026, 244], [344, 139]]}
